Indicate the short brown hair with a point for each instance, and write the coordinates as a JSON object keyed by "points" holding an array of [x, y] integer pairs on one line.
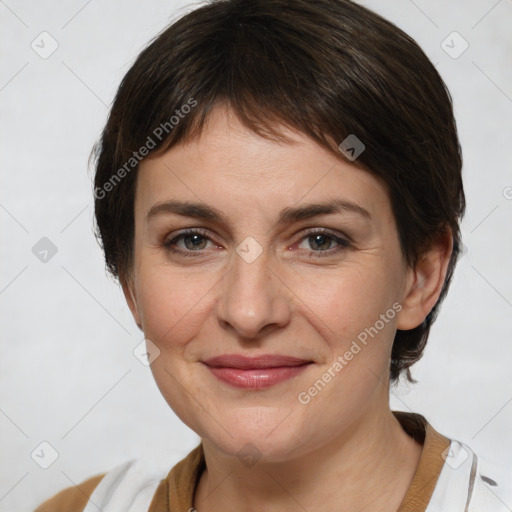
{"points": [[327, 68]]}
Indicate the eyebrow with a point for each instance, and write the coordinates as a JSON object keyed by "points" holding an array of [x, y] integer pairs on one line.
{"points": [[286, 216]]}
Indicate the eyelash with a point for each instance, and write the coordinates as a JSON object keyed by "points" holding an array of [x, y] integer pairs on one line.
{"points": [[343, 244]]}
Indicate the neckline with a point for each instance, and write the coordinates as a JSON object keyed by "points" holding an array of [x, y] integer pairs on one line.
{"points": [[182, 480]]}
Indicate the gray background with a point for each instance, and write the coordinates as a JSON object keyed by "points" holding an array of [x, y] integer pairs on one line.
{"points": [[67, 372]]}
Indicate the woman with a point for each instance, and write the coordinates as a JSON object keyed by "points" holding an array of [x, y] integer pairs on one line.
{"points": [[278, 190]]}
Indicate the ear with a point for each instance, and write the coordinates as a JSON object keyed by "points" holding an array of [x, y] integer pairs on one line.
{"points": [[131, 299], [424, 282]]}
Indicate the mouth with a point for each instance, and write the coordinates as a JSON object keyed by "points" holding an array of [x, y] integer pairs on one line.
{"points": [[255, 372]]}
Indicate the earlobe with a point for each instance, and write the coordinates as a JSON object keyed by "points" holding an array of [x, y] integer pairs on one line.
{"points": [[131, 300], [424, 282]]}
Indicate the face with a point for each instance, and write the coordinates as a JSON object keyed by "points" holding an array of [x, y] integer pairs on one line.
{"points": [[274, 319]]}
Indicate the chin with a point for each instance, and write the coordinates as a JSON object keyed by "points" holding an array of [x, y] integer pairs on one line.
{"points": [[265, 433]]}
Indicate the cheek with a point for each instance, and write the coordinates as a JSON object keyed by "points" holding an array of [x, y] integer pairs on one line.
{"points": [[353, 312], [172, 304], [347, 301]]}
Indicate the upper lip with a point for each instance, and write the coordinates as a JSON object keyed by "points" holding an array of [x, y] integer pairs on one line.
{"points": [[248, 363]]}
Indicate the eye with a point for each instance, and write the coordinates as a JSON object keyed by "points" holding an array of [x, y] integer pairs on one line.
{"points": [[321, 241], [192, 241]]}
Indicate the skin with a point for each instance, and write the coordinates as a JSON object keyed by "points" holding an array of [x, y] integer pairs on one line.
{"points": [[344, 449]]}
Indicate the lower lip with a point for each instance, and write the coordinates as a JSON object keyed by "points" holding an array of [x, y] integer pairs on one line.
{"points": [[258, 378]]}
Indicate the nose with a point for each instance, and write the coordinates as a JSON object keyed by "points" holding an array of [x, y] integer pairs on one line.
{"points": [[253, 299]]}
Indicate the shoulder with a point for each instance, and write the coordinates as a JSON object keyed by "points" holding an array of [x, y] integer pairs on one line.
{"points": [[131, 485], [72, 499], [492, 489], [471, 483], [134, 481], [137, 484]]}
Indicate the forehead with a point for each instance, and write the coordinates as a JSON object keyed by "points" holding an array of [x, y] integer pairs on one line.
{"points": [[232, 169]]}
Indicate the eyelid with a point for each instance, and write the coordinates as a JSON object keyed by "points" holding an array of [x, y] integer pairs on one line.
{"points": [[188, 232], [344, 242], [327, 231]]}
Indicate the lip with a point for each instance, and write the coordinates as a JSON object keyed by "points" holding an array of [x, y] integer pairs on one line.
{"points": [[255, 372]]}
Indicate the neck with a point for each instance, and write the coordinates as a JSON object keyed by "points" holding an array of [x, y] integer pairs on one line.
{"points": [[370, 466]]}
